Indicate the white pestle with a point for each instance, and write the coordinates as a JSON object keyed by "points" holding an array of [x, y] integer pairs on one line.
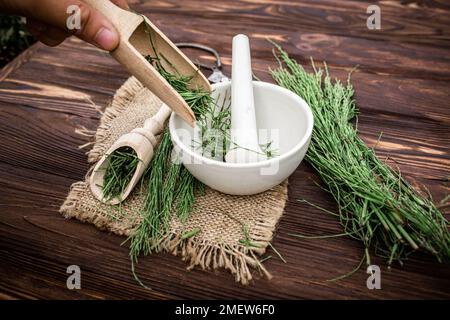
{"points": [[244, 145]]}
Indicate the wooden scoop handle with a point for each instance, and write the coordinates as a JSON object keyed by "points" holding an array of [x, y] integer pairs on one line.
{"points": [[155, 125]]}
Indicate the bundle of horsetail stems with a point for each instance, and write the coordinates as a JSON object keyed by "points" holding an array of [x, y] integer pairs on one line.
{"points": [[376, 205]]}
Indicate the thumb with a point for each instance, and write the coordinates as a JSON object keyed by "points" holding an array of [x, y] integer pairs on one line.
{"points": [[96, 29]]}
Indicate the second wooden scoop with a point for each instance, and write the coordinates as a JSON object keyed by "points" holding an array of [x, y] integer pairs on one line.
{"points": [[135, 32], [143, 141]]}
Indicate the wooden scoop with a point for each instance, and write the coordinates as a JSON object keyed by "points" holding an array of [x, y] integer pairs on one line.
{"points": [[143, 141], [135, 43]]}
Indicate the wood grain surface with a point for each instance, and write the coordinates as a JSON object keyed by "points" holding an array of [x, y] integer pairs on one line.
{"points": [[402, 90]]}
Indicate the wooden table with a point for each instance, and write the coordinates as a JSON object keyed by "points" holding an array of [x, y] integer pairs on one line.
{"points": [[402, 89]]}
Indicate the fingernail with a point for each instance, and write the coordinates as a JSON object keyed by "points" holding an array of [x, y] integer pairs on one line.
{"points": [[106, 39]]}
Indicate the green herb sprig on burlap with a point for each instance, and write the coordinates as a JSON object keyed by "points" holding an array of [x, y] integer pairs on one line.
{"points": [[376, 205]]}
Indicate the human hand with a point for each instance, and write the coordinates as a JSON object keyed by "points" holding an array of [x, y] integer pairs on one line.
{"points": [[47, 20]]}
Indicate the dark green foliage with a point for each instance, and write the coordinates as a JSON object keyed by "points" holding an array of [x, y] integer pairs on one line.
{"points": [[14, 38]]}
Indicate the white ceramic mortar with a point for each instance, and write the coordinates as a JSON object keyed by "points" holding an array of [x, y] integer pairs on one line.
{"points": [[276, 109]]}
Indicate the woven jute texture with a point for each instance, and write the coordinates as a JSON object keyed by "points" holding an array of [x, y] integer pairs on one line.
{"points": [[219, 217]]}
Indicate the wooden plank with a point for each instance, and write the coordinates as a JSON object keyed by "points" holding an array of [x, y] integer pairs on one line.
{"points": [[105, 263], [400, 23]]}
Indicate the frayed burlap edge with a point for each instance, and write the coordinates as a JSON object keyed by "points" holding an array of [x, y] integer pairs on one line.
{"points": [[237, 259]]}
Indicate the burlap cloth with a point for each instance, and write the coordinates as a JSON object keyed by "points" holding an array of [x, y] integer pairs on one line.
{"points": [[219, 217]]}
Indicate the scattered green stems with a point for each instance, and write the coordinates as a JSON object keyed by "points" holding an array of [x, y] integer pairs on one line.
{"points": [[265, 259], [153, 221], [185, 193], [376, 205], [277, 253], [247, 241], [122, 164], [168, 185], [190, 234]]}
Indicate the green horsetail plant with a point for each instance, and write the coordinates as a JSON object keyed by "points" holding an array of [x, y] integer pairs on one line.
{"points": [[376, 205], [169, 184]]}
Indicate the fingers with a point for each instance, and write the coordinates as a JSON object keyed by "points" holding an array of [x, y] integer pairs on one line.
{"points": [[45, 33], [36, 28], [94, 27]]}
